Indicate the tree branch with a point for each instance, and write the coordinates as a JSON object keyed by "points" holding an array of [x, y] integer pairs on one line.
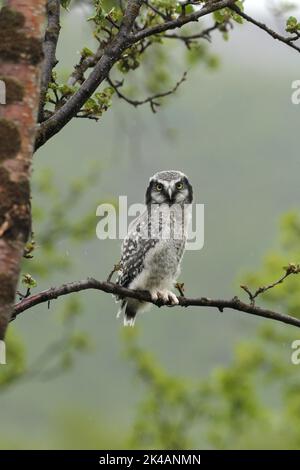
{"points": [[84, 64], [290, 269], [156, 10], [49, 49], [111, 288], [125, 38], [112, 53], [189, 38], [183, 19], [150, 99], [289, 41]]}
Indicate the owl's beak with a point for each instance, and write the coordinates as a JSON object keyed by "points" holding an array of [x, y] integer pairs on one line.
{"points": [[170, 193]]}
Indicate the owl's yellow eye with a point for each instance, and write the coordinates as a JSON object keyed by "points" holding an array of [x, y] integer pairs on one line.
{"points": [[179, 186], [158, 187]]}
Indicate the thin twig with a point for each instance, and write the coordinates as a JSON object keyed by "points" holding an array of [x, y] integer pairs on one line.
{"points": [[290, 269], [286, 40], [155, 10], [187, 39], [87, 116], [152, 100], [115, 269], [180, 287]]}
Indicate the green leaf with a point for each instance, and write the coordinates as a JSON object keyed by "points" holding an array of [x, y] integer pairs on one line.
{"points": [[28, 281], [220, 16], [292, 25], [99, 15], [237, 18], [29, 249], [80, 341], [189, 9], [240, 5], [66, 89], [86, 52], [65, 4]]}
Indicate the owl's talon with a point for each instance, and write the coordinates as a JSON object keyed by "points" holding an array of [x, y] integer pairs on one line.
{"points": [[173, 299], [164, 297], [154, 296]]}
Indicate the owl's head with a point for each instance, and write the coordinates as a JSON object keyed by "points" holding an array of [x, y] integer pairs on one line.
{"points": [[169, 187]]}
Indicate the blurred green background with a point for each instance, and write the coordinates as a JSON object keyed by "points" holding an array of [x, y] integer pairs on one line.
{"points": [[76, 380]]}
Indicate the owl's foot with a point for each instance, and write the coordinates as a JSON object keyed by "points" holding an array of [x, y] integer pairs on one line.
{"points": [[166, 296]]}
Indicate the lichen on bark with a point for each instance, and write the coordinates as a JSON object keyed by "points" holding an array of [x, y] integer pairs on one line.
{"points": [[14, 90], [15, 45], [10, 139], [14, 207]]}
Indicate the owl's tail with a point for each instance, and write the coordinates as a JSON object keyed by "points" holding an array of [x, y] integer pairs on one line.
{"points": [[128, 311]]}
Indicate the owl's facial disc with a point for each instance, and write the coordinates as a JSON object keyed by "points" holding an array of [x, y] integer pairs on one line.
{"points": [[169, 188]]}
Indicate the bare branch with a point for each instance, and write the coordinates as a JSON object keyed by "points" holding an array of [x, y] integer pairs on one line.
{"points": [[289, 41], [189, 38], [115, 269], [150, 99], [290, 269], [155, 10], [87, 115], [109, 287], [49, 49]]}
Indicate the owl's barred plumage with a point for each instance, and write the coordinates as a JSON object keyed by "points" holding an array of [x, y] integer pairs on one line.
{"points": [[155, 243]]}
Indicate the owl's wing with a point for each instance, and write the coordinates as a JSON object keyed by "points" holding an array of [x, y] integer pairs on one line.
{"points": [[134, 249]]}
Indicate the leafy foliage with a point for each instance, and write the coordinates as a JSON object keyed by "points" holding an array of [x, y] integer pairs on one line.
{"points": [[65, 3], [292, 25], [105, 18], [100, 103]]}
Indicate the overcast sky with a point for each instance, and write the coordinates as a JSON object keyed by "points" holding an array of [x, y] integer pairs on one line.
{"points": [[262, 5]]}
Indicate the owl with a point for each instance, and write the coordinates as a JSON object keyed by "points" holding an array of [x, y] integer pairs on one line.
{"points": [[154, 245]]}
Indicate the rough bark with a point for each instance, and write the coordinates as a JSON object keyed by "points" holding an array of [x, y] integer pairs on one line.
{"points": [[49, 49], [21, 25]]}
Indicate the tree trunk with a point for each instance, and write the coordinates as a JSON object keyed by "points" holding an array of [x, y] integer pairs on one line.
{"points": [[21, 27]]}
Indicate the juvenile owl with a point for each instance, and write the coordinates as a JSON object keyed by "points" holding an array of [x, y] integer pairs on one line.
{"points": [[153, 248]]}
